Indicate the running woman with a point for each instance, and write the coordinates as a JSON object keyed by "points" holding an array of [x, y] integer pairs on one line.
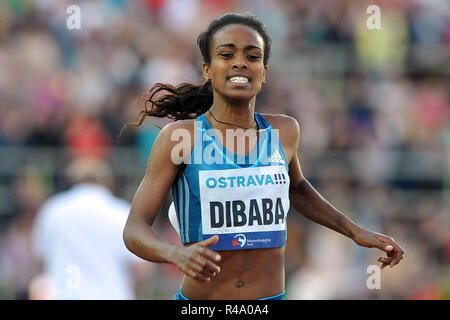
{"points": [[230, 202]]}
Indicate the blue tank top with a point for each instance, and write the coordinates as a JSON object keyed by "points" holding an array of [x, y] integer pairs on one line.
{"points": [[244, 199]]}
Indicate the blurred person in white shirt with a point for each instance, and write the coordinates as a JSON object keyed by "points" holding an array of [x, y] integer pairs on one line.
{"points": [[78, 239]]}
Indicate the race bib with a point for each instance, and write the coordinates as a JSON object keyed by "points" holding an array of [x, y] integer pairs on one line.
{"points": [[245, 207]]}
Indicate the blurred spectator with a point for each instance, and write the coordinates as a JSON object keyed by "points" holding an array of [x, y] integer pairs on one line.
{"points": [[86, 137], [383, 51], [78, 236]]}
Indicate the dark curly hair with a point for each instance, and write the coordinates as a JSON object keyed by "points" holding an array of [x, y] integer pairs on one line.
{"points": [[187, 100]]}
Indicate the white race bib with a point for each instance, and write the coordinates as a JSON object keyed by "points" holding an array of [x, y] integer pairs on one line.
{"points": [[246, 207]]}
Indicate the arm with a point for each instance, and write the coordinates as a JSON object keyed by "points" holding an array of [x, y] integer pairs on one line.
{"points": [[307, 201], [139, 235]]}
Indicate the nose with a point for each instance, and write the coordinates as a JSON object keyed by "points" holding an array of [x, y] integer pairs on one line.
{"points": [[240, 63]]}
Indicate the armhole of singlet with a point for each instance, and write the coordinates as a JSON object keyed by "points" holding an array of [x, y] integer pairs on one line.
{"points": [[282, 152], [267, 124], [196, 142]]}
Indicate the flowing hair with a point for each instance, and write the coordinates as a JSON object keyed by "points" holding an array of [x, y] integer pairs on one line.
{"points": [[187, 100]]}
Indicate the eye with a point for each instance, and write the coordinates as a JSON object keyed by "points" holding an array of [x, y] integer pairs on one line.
{"points": [[253, 57], [226, 55]]}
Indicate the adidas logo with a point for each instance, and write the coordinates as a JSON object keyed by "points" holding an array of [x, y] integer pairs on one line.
{"points": [[276, 157]]}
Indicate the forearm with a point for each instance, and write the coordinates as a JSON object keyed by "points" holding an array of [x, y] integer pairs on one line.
{"points": [[144, 241], [307, 201]]}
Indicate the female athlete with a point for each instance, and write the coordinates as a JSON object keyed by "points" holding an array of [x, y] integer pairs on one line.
{"points": [[233, 174]]}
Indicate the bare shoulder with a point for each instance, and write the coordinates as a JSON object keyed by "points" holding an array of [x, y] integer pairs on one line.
{"points": [[287, 126], [188, 124], [176, 130], [176, 139], [279, 118]]}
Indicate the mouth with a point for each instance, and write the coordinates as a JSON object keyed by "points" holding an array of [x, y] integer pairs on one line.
{"points": [[239, 79]]}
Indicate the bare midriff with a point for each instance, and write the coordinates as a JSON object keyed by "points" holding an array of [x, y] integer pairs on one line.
{"points": [[244, 274]]}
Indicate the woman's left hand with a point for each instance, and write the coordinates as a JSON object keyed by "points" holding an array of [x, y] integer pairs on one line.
{"points": [[370, 239]]}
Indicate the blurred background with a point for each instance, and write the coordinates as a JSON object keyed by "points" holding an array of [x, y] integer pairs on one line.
{"points": [[373, 106]]}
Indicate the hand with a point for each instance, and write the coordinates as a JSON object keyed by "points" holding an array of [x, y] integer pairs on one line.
{"points": [[197, 261], [370, 239]]}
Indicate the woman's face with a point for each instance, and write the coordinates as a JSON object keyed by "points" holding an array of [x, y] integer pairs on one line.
{"points": [[237, 67]]}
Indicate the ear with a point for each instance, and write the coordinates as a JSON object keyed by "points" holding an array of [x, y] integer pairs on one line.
{"points": [[265, 72], [206, 73]]}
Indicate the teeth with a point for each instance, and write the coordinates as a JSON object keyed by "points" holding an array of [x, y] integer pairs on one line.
{"points": [[238, 79]]}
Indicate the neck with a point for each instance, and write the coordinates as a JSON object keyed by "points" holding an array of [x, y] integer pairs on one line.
{"points": [[238, 113]]}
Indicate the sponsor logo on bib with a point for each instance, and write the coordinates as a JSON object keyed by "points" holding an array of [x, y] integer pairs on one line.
{"points": [[239, 239]]}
